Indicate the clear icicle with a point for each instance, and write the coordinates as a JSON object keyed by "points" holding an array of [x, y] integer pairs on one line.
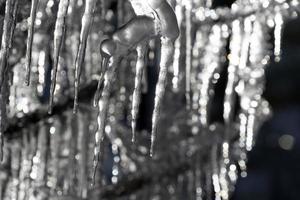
{"points": [[58, 40], [140, 65], [167, 50], [188, 59], [86, 23], [103, 108], [277, 35], [31, 23], [177, 52], [103, 69]]}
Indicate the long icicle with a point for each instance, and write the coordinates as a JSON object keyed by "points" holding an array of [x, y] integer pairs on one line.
{"points": [[136, 99], [103, 108], [86, 23], [167, 49], [58, 39], [5, 45], [31, 21]]}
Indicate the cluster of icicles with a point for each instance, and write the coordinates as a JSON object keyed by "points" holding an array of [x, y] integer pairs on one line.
{"points": [[192, 34]]}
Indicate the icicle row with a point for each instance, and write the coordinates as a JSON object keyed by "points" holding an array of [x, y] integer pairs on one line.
{"points": [[31, 23], [136, 98], [167, 50], [58, 40], [86, 23]]}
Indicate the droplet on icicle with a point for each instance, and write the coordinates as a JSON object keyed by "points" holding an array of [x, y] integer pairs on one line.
{"points": [[167, 49], [31, 23], [58, 40], [277, 36], [86, 23], [136, 99]]}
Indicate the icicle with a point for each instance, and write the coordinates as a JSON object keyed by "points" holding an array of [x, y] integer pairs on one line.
{"points": [[140, 65], [58, 40], [235, 50], [177, 52], [83, 146], [212, 65], [6, 39], [86, 23], [31, 22], [277, 35], [188, 59], [167, 50], [14, 21], [103, 107], [215, 170], [8, 27], [198, 178], [103, 69]]}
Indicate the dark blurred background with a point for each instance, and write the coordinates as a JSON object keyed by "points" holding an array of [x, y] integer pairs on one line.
{"points": [[274, 163]]}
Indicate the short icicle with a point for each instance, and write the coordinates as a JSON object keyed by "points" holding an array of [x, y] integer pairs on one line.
{"points": [[86, 24], [31, 21], [103, 108], [136, 99], [58, 40], [167, 50]]}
